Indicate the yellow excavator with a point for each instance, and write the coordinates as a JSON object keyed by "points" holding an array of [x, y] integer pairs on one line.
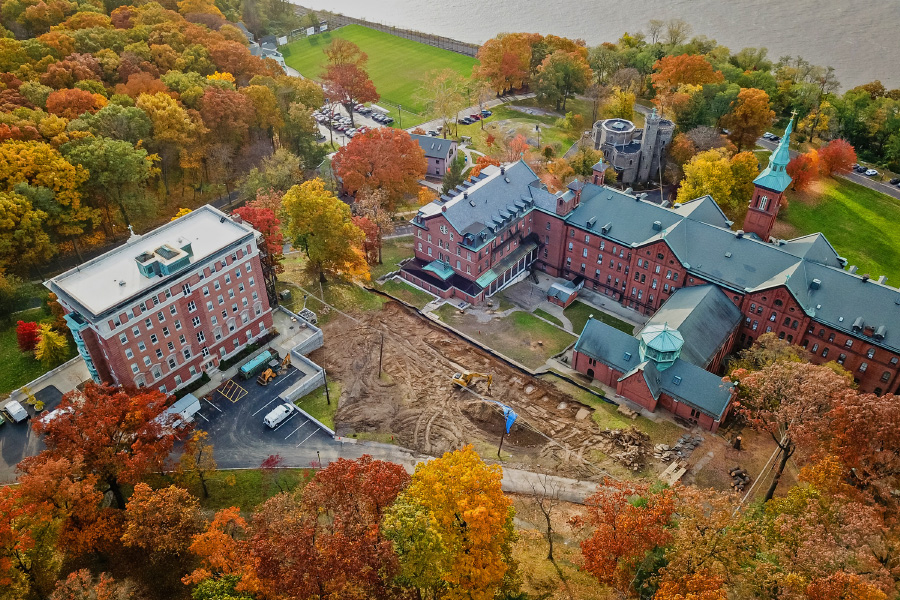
{"points": [[274, 371], [467, 379]]}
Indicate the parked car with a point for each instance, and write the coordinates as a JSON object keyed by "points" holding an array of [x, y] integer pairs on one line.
{"points": [[871, 172], [378, 117], [486, 113], [768, 135], [860, 169], [432, 133], [475, 117], [15, 411], [895, 181], [388, 120], [279, 415], [358, 107], [774, 138], [466, 121]]}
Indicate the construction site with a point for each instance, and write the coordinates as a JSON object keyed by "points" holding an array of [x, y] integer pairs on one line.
{"points": [[397, 369]]}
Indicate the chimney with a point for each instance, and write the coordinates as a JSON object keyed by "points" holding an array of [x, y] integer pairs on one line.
{"points": [[739, 234], [852, 269], [657, 225], [465, 195], [865, 277], [815, 284], [502, 170], [882, 279]]}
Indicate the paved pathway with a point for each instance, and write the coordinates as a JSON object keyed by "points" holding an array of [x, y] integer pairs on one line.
{"points": [[435, 123]]}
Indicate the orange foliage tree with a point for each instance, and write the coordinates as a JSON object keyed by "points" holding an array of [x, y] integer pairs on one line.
{"points": [[72, 103], [162, 522], [628, 521], [505, 61], [837, 156], [749, 116], [113, 430], [803, 169], [223, 551], [384, 158], [686, 69], [480, 163]]}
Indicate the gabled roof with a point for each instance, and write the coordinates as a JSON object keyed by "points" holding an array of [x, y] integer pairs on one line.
{"points": [[607, 344], [703, 315], [434, 147], [814, 247]]}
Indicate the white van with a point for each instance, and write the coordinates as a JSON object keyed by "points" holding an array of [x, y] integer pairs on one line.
{"points": [[15, 411], [278, 415]]}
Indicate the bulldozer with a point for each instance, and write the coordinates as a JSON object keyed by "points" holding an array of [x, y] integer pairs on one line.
{"points": [[467, 379], [274, 370]]}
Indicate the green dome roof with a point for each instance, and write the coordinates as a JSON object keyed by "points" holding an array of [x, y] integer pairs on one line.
{"points": [[662, 338]]}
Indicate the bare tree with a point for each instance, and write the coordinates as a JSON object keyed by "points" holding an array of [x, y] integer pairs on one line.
{"points": [[654, 30], [677, 31], [546, 498]]}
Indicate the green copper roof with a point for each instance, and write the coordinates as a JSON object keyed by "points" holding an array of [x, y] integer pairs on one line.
{"points": [[439, 268], [662, 338], [775, 177], [487, 278]]}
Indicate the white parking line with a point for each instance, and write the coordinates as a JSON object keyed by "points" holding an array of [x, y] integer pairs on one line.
{"points": [[264, 406], [302, 425], [280, 425], [307, 437], [213, 405], [202, 417]]}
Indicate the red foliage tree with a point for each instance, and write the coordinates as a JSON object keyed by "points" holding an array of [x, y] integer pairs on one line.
{"points": [[480, 163], [113, 430], [18, 133], [141, 83], [265, 222], [27, 335], [345, 78], [385, 158], [803, 170], [838, 156], [627, 520], [370, 244], [227, 114], [301, 554], [73, 103]]}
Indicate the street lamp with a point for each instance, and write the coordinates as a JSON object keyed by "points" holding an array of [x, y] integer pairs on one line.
{"points": [[538, 129], [400, 115], [330, 117]]}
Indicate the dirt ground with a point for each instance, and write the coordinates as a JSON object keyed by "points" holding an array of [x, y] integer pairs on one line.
{"points": [[415, 400]]}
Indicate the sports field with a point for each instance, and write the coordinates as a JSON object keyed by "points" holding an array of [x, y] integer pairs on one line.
{"points": [[396, 65]]}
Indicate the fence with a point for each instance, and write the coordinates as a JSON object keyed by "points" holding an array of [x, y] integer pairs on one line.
{"points": [[438, 41]]}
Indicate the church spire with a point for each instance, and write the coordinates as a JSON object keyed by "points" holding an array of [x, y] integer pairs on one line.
{"points": [[769, 187], [775, 177]]}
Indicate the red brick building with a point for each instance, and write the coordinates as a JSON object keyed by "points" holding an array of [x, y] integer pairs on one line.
{"points": [[169, 305], [489, 232]]}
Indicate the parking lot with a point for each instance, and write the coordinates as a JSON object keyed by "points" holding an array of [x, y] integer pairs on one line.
{"points": [[17, 440], [359, 120], [233, 417]]}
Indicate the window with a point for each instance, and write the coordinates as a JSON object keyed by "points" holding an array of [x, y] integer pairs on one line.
{"points": [[191, 306], [841, 359], [206, 291], [571, 246], [170, 346], [136, 331], [195, 321], [178, 380], [200, 337], [815, 348], [824, 352], [886, 376], [158, 353], [168, 293], [182, 340], [134, 368], [165, 332], [157, 374], [584, 252], [209, 306], [255, 295], [172, 310], [204, 351], [656, 270], [773, 317], [172, 363], [831, 338], [227, 279], [154, 339], [221, 300], [893, 360], [755, 325], [123, 338], [231, 293], [870, 353], [234, 308], [863, 367], [177, 325], [216, 285], [668, 274], [253, 283], [148, 323], [161, 317], [848, 344], [146, 361], [187, 353], [186, 289], [129, 353]]}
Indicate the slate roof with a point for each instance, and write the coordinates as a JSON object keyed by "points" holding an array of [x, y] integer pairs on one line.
{"points": [[704, 316], [434, 147], [684, 381]]}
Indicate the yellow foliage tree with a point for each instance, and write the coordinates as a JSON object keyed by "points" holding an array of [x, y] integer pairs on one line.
{"points": [[181, 212], [453, 528], [322, 226], [226, 76], [729, 180], [52, 347]]}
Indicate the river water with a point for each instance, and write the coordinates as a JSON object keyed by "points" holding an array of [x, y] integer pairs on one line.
{"points": [[860, 39]]}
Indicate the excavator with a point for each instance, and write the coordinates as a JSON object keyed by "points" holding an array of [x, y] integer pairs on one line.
{"points": [[274, 371], [467, 379]]}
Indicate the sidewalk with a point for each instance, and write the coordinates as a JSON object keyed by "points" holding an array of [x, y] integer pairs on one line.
{"points": [[435, 123], [598, 301]]}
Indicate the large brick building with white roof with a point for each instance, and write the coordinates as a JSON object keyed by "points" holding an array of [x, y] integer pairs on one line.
{"points": [[169, 305]]}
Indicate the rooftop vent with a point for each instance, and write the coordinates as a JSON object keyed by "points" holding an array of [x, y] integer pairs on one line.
{"points": [[858, 324], [728, 255], [657, 225], [739, 234], [502, 169], [677, 380], [629, 190], [609, 196], [882, 279], [815, 284], [121, 283], [466, 195], [865, 277], [506, 179], [627, 356], [606, 228], [880, 332], [471, 203], [591, 222], [852, 269]]}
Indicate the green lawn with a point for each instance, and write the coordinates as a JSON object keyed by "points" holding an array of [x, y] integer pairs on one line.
{"points": [[407, 293], [578, 313], [316, 403], [520, 336], [396, 65], [16, 368], [545, 315], [392, 252], [859, 222], [243, 488]]}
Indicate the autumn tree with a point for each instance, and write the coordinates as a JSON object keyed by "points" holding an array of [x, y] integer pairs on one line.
{"points": [[321, 225], [627, 522], [803, 169], [345, 77], [670, 72], [265, 222], [453, 528], [789, 401], [29, 561], [748, 118], [71, 103], [161, 522], [620, 105], [197, 461], [52, 347], [480, 163], [82, 585], [727, 179], [325, 540], [837, 156], [505, 61], [24, 242], [115, 432], [370, 205], [560, 76], [223, 551], [444, 95], [384, 158], [766, 350], [27, 335]]}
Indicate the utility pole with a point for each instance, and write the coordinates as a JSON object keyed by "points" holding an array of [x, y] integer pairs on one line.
{"points": [[380, 354], [400, 115], [325, 379]]}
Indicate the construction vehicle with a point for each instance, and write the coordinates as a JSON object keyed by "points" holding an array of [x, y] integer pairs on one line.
{"points": [[275, 369], [467, 379]]}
